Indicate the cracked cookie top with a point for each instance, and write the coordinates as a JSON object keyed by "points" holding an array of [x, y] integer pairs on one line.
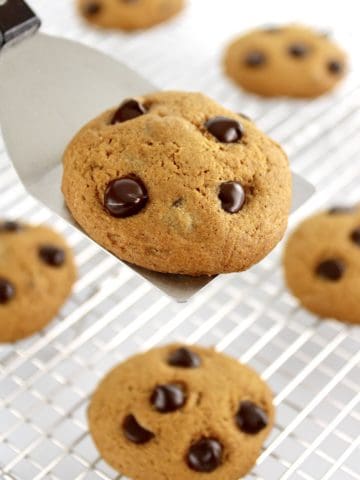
{"points": [[176, 183]]}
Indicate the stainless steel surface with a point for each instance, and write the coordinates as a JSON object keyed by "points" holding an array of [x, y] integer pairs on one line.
{"points": [[311, 365], [50, 88]]}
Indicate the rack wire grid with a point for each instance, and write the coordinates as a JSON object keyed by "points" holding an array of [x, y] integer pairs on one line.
{"points": [[312, 365]]}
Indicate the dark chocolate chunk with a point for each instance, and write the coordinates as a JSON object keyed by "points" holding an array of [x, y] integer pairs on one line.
{"points": [[128, 110], [7, 291], [184, 358], [335, 67], [255, 59], [125, 197], [224, 129], [168, 398], [205, 455], [53, 256], [340, 210], [10, 226], [91, 9], [251, 418], [298, 50], [332, 269], [355, 236], [232, 196], [134, 432]]}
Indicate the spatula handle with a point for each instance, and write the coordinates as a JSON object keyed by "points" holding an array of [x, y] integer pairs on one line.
{"points": [[17, 21]]}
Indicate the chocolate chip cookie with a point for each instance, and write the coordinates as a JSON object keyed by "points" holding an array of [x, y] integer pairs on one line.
{"points": [[36, 276], [292, 61], [181, 413], [128, 14], [175, 183], [322, 264]]}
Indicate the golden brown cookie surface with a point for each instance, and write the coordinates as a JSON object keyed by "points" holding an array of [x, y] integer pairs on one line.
{"points": [[128, 14], [181, 413], [322, 264], [291, 61], [176, 183], [36, 276]]}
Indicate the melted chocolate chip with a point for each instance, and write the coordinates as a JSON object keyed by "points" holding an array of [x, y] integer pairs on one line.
{"points": [[125, 197], [168, 398], [226, 130], [7, 291], [184, 358], [128, 110], [255, 59], [91, 9], [135, 432], [335, 67], [331, 269], [205, 455], [232, 196], [53, 256], [10, 227], [298, 50], [355, 236], [250, 418], [340, 210]]}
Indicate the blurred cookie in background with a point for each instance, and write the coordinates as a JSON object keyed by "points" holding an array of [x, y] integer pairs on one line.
{"points": [[37, 272], [128, 14], [289, 61], [322, 264], [181, 413]]}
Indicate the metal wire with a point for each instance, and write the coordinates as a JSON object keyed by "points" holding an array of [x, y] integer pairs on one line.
{"points": [[312, 365]]}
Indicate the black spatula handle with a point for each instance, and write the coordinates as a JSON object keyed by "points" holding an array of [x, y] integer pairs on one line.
{"points": [[17, 20]]}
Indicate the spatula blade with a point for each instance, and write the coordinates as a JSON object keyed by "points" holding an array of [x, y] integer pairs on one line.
{"points": [[49, 88]]}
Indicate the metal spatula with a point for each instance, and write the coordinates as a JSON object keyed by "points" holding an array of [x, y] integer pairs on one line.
{"points": [[49, 88]]}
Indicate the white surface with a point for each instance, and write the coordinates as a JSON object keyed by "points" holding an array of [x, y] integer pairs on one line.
{"points": [[311, 365]]}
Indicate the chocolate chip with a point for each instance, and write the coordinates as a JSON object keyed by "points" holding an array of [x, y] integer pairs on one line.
{"points": [[205, 455], [10, 227], [341, 210], [134, 432], [128, 110], [298, 50], [168, 398], [232, 196], [335, 67], [355, 236], [251, 418], [331, 269], [53, 256], [91, 9], [255, 59], [125, 196], [184, 358], [224, 129], [7, 291]]}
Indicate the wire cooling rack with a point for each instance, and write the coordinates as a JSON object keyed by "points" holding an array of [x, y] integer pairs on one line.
{"points": [[311, 365]]}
